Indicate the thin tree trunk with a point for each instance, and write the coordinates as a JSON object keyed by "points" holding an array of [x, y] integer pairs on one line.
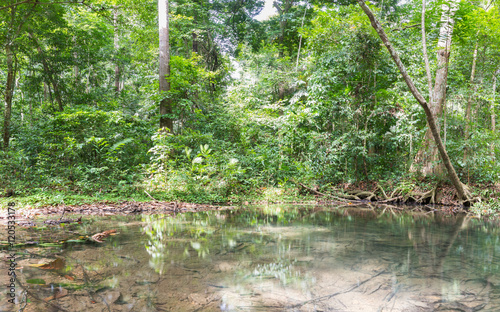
{"points": [[45, 91], [75, 59], [287, 5], [164, 66], [492, 109], [426, 57], [461, 190], [116, 46], [444, 123], [9, 93], [195, 42], [493, 103], [46, 68], [57, 93], [51, 98], [469, 101], [300, 39]]}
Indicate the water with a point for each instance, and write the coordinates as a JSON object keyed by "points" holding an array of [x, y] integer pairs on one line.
{"points": [[274, 258]]}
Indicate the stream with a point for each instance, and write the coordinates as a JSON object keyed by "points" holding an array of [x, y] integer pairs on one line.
{"points": [[263, 258]]}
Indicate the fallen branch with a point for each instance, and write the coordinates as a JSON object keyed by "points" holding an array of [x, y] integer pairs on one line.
{"points": [[337, 293], [34, 296], [150, 195]]}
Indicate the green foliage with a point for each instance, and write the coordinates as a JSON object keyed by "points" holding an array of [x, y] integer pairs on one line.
{"points": [[486, 208], [251, 113], [199, 173], [85, 151]]}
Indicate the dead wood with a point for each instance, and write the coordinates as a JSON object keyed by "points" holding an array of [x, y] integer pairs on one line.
{"points": [[37, 298], [322, 298], [58, 222]]}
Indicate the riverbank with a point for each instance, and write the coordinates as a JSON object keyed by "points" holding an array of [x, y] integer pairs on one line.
{"points": [[425, 194]]}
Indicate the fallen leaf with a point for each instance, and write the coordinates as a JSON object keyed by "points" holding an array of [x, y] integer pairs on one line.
{"points": [[36, 281], [71, 278], [100, 236], [57, 264]]}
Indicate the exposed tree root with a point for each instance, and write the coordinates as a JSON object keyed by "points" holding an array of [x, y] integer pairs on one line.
{"points": [[313, 191], [428, 197], [397, 199], [384, 195], [398, 196], [363, 194]]}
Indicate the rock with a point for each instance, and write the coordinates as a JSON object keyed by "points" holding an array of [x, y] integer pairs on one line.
{"points": [[111, 296]]}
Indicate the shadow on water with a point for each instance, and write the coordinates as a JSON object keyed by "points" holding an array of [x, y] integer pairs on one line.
{"points": [[264, 259]]}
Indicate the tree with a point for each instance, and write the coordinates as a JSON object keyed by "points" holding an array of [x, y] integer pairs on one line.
{"points": [[492, 107], [283, 8], [117, 47], [15, 19], [430, 111], [166, 120], [428, 154]]}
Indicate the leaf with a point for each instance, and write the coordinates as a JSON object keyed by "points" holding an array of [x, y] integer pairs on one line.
{"points": [[57, 264], [119, 145], [71, 278], [36, 281], [76, 241], [49, 245]]}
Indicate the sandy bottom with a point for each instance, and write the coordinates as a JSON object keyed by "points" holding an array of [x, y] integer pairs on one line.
{"points": [[130, 273]]}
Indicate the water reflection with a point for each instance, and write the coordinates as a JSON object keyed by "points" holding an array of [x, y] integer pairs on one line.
{"points": [[271, 258]]}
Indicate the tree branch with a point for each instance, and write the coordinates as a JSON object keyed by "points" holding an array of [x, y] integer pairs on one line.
{"points": [[406, 27]]}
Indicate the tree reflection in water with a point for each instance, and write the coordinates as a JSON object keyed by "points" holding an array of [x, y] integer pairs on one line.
{"points": [[277, 257]]}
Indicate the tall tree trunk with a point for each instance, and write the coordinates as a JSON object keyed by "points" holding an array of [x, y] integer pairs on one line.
{"points": [[75, 59], [492, 108], [300, 38], [57, 93], [164, 66], [195, 42], [469, 101], [282, 11], [463, 193], [428, 155], [116, 46], [45, 91], [9, 93], [426, 57]]}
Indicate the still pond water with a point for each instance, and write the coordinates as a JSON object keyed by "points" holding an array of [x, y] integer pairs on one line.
{"points": [[272, 258]]}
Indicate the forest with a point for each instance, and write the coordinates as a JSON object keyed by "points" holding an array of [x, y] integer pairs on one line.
{"points": [[202, 101]]}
